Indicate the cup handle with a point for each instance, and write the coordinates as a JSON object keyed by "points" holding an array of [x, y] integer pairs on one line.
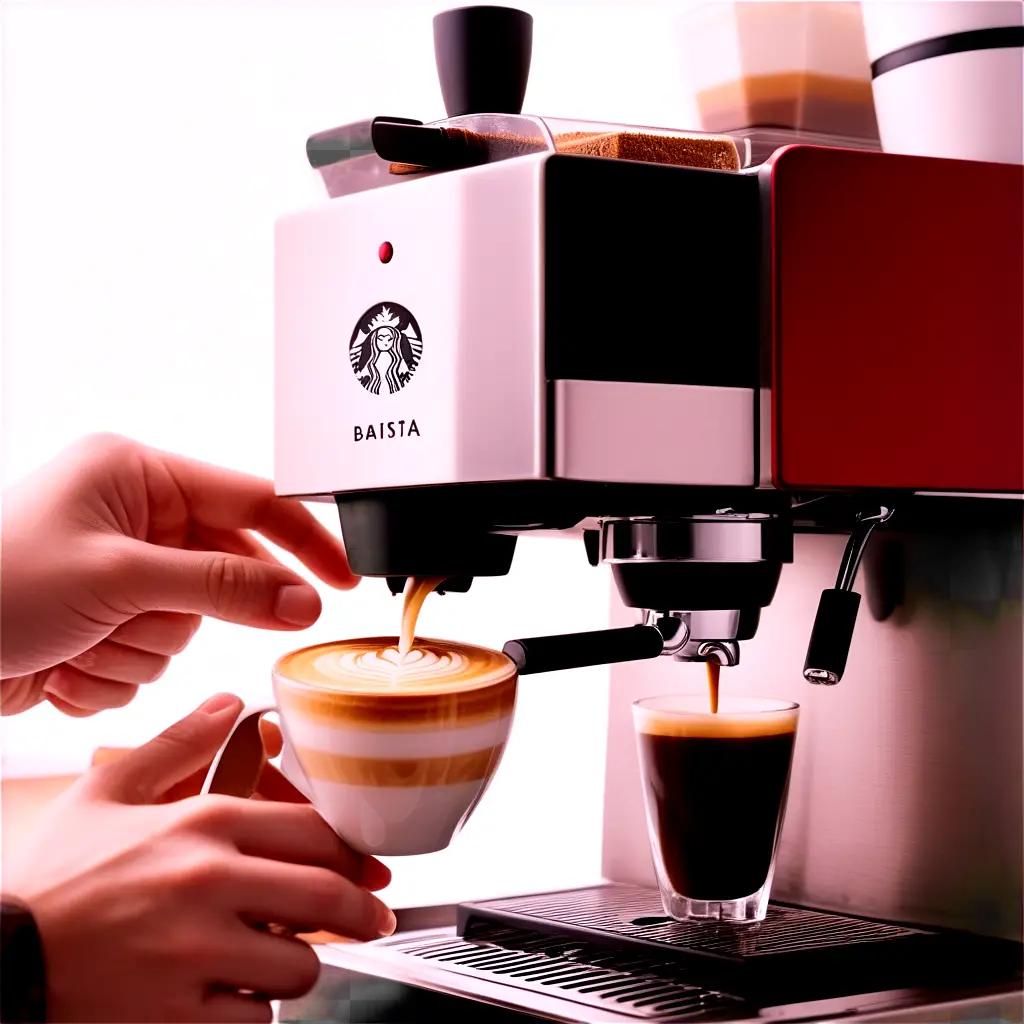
{"points": [[236, 769]]}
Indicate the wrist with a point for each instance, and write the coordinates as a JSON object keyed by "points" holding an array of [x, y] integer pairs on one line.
{"points": [[22, 965]]}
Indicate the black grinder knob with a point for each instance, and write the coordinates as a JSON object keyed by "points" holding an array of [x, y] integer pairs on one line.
{"points": [[483, 59]]}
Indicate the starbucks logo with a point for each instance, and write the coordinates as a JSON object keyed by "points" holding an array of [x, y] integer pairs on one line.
{"points": [[385, 348]]}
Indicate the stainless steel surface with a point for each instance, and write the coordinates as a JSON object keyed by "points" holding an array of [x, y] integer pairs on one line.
{"points": [[611, 430], [821, 676], [906, 796], [630, 985], [725, 606], [635, 912], [673, 626], [391, 959], [723, 537], [856, 545], [682, 628], [724, 652], [994, 1008], [385, 959]]}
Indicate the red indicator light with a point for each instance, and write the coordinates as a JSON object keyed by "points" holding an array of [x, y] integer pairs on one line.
{"points": [[385, 252]]}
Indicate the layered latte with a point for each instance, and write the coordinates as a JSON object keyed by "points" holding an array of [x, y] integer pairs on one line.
{"points": [[396, 748]]}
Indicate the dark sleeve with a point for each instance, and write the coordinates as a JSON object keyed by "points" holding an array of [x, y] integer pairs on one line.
{"points": [[22, 968]]}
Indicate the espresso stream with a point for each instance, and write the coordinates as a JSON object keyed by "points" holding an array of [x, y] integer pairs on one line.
{"points": [[714, 670]]}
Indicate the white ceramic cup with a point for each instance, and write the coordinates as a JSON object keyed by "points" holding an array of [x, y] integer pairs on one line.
{"points": [[394, 768], [948, 77]]}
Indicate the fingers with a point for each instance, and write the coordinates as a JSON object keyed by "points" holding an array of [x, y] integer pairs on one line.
{"points": [[226, 500], [276, 966], [306, 899], [270, 733], [68, 709], [289, 832], [272, 785], [231, 1007], [19, 693], [240, 781], [226, 586], [164, 633], [234, 542], [78, 693], [147, 773], [112, 661]]}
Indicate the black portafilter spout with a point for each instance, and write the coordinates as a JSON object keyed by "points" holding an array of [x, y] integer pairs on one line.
{"points": [[832, 633], [578, 650], [449, 585], [483, 59]]}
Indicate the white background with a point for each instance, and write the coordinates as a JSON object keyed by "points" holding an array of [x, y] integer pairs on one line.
{"points": [[147, 149]]}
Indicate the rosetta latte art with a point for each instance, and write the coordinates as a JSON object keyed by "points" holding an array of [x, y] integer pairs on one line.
{"points": [[375, 665]]}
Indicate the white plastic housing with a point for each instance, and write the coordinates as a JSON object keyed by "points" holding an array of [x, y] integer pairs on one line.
{"points": [[468, 263]]}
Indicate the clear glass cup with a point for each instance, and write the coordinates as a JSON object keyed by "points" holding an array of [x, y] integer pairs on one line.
{"points": [[715, 792]]}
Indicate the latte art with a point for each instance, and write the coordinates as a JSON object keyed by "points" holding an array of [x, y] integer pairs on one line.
{"points": [[389, 666], [376, 666]]}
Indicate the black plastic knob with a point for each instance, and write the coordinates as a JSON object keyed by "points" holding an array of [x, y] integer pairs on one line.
{"points": [[831, 637], [483, 59]]}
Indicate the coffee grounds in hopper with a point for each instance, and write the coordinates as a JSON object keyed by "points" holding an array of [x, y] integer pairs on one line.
{"points": [[678, 150], [682, 150]]}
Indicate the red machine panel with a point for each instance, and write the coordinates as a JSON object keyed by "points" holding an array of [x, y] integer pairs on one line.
{"points": [[898, 333]]}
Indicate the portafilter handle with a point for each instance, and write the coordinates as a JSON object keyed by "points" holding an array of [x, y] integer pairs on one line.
{"points": [[832, 633], [578, 650]]}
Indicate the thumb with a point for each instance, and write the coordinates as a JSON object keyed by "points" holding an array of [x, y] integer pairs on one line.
{"points": [[226, 586], [146, 773]]}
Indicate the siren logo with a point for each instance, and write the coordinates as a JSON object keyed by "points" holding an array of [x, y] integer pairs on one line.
{"points": [[385, 348]]}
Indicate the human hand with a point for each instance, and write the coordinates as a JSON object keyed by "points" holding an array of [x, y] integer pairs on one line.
{"points": [[255, 777], [113, 551], [159, 911]]}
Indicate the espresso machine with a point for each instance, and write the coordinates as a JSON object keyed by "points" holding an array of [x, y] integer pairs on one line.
{"points": [[760, 374]]}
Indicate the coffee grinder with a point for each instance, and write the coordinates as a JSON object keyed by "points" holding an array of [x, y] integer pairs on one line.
{"points": [[760, 373]]}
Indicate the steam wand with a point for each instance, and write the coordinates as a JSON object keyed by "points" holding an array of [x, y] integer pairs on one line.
{"points": [[832, 634]]}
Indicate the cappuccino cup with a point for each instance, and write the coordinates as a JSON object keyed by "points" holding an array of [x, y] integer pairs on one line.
{"points": [[394, 753]]}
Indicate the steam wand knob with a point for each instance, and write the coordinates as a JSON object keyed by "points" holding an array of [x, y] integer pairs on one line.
{"points": [[832, 634]]}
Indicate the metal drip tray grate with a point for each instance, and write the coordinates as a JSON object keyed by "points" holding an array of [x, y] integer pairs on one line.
{"points": [[794, 948], [619, 982], [608, 953], [636, 912]]}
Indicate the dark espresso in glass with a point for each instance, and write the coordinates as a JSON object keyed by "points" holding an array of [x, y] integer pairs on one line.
{"points": [[715, 802]]}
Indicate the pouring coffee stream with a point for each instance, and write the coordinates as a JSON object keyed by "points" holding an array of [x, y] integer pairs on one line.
{"points": [[413, 596], [714, 671]]}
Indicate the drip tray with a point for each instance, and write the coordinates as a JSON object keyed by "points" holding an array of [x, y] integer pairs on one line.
{"points": [[795, 953], [620, 983]]}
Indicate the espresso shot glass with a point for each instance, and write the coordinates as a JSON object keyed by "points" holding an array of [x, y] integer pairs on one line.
{"points": [[715, 793]]}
